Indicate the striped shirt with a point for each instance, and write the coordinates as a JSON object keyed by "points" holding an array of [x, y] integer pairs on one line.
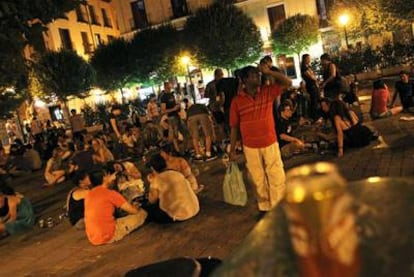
{"points": [[254, 116]]}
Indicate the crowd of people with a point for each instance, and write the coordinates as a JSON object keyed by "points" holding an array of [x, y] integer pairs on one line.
{"points": [[257, 112]]}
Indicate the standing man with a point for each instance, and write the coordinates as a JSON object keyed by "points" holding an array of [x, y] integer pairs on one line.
{"points": [[78, 125], [404, 88], [251, 114], [36, 127], [216, 101], [170, 107]]}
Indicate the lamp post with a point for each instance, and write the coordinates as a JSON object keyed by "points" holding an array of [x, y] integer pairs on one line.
{"points": [[186, 61], [343, 20]]}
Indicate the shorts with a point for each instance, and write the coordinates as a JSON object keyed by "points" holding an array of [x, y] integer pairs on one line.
{"points": [[176, 126], [203, 120]]}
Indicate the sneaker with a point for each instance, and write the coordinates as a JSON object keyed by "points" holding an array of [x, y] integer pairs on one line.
{"points": [[198, 157], [210, 157]]}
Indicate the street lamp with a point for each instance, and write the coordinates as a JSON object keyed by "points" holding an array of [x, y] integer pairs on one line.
{"points": [[343, 20], [185, 60]]}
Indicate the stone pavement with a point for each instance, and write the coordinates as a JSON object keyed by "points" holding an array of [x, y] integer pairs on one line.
{"points": [[216, 231]]}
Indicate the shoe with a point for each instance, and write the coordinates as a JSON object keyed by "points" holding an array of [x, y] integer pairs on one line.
{"points": [[198, 157], [210, 157]]}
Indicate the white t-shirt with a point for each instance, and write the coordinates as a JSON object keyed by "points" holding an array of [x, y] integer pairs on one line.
{"points": [[176, 197]]}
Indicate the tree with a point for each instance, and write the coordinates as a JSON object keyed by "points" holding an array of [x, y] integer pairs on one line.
{"points": [[366, 17], [399, 8], [21, 23], [64, 74], [295, 34], [223, 36], [114, 65], [154, 51], [9, 102]]}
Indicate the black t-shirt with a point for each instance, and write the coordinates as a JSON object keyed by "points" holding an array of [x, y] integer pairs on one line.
{"points": [[168, 99], [309, 81], [117, 118], [196, 109], [283, 126], [405, 91], [229, 87]]}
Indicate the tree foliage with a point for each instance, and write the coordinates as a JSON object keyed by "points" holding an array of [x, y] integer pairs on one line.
{"points": [[399, 8], [9, 102], [114, 65], [22, 22], [224, 36], [366, 17], [295, 34], [63, 74], [154, 50]]}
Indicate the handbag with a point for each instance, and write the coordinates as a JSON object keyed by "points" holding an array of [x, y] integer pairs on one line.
{"points": [[234, 190]]}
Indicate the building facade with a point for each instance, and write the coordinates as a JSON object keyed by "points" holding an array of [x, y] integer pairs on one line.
{"points": [[91, 24], [83, 30], [134, 15]]}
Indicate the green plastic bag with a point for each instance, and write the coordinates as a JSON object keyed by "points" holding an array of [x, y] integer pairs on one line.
{"points": [[234, 190]]}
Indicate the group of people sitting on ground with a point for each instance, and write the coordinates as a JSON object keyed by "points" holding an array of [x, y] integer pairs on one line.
{"points": [[120, 190], [303, 119], [382, 105]]}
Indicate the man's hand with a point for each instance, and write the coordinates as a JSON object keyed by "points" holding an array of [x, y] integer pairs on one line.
{"points": [[108, 179], [299, 143], [264, 68]]}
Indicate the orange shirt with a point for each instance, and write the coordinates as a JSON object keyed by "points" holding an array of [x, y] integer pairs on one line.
{"points": [[100, 204], [254, 116], [379, 100]]}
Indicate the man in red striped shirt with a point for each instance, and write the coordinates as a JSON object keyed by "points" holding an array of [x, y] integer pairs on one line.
{"points": [[251, 115]]}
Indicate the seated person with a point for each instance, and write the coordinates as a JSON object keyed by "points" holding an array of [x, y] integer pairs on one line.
{"points": [[54, 171], [66, 145], [404, 88], [82, 159], [287, 142], [379, 101], [171, 198], [181, 165], [16, 212], [151, 135], [348, 130], [128, 179], [101, 153], [17, 163], [100, 204], [133, 141], [32, 157], [75, 202]]}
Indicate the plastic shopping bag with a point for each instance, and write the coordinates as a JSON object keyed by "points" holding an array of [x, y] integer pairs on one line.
{"points": [[234, 190]]}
